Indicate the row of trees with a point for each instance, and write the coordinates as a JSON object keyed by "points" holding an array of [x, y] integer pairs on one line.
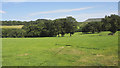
{"points": [[109, 23], [44, 28], [62, 26], [13, 33], [9, 23]]}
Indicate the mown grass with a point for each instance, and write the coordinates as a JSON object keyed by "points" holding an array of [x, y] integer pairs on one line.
{"points": [[14, 26], [83, 50]]}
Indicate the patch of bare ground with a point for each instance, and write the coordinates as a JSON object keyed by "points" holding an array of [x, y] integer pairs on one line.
{"points": [[109, 60], [67, 50], [26, 54], [71, 52], [99, 55]]}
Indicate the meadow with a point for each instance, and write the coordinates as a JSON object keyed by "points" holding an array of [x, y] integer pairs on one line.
{"points": [[78, 50], [14, 26]]}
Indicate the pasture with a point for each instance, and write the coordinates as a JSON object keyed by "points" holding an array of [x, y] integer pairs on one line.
{"points": [[14, 26], [77, 50]]}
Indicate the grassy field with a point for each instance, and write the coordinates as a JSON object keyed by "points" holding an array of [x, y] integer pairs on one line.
{"points": [[78, 50], [15, 26]]}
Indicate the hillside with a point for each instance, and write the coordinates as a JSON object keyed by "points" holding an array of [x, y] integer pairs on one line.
{"points": [[93, 20]]}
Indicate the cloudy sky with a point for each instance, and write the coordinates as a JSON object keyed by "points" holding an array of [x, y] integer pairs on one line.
{"points": [[26, 11]]}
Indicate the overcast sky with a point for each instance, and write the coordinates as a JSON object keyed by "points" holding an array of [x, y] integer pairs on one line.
{"points": [[26, 11]]}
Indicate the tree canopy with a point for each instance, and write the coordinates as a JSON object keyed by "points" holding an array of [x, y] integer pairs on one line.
{"points": [[60, 27], [48, 28]]}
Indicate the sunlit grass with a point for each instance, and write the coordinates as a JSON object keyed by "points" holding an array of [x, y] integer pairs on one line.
{"points": [[15, 26], [83, 50]]}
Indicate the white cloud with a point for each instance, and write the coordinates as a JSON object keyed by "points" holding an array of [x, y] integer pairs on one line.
{"points": [[2, 11], [79, 17], [85, 16], [59, 11]]}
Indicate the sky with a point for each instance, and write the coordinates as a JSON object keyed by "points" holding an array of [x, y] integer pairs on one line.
{"points": [[59, 0], [26, 11]]}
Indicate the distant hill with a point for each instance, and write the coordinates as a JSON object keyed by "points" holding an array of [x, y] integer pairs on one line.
{"points": [[82, 24], [94, 20]]}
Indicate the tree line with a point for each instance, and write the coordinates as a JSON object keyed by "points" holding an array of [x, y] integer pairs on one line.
{"points": [[44, 28], [109, 23], [9, 23], [60, 27]]}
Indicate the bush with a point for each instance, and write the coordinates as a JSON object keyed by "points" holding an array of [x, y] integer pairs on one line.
{"points": [[13, 33]]}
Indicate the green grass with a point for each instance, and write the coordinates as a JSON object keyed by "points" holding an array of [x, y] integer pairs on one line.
{"points": [[85, 50], [14, 26]]}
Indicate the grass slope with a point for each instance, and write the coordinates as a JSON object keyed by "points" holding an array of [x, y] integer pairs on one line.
{"points": [[85, 50], [15, 26]]}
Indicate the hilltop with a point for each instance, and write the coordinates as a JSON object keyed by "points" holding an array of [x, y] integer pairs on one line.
{"points": [[93, 20]]}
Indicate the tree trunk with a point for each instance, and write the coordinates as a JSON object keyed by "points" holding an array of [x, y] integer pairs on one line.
{"points": [[70, 34], [62, 35], [58, 35]]}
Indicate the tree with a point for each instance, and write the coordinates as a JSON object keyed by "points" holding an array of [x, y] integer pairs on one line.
{"points": [[71, 25], [92, 27], [113, 21], [66, 25], [13, 33], [58, 25], [33, 30], [42, 28]]}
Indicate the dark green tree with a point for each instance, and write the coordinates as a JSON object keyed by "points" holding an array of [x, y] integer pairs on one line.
{"points": [[113, 21]]}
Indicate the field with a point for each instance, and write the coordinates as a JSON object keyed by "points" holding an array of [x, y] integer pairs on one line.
{"points": [[15, 26], [78, 50]]}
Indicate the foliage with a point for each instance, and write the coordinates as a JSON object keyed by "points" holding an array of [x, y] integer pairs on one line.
{"points": [[44, 28], [13, 33], [109, 23], [61, 26], [66, 25], [92, 27], [8, 23], [49, 28], [112, 22]]}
